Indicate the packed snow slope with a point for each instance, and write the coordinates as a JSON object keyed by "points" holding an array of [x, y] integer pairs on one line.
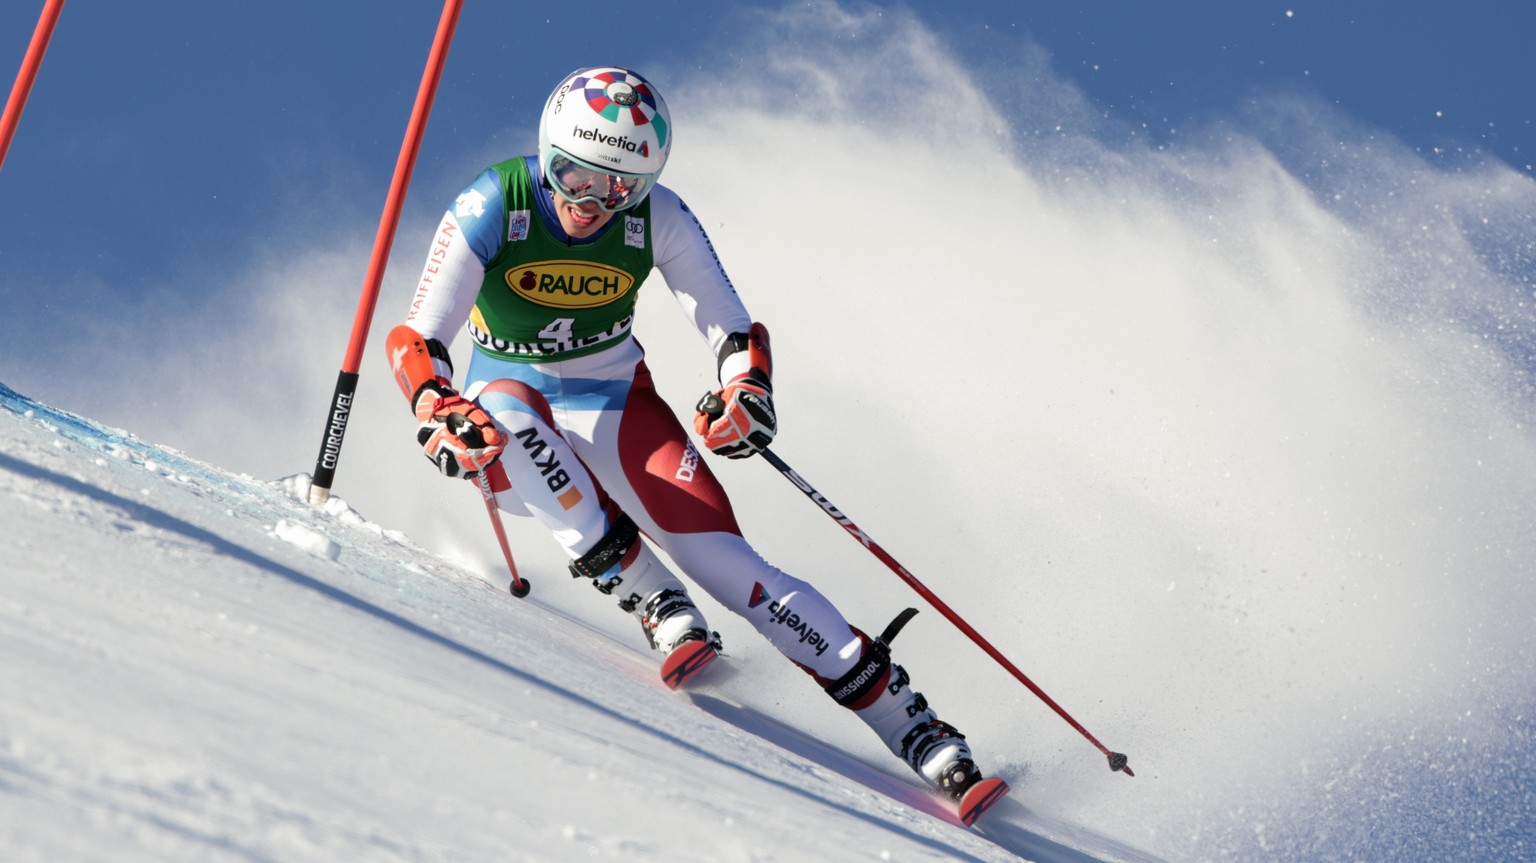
{"points": [[199, 667]]}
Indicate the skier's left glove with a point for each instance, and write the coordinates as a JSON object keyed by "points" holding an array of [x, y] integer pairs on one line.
{"points": [[738, 419], [456, 434]]}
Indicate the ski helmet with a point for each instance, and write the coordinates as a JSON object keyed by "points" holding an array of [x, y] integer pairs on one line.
{"points": [[607, 123]]}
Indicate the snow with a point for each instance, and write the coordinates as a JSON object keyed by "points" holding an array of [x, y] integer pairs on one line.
{"points": [[201, 667], [309, 539]]}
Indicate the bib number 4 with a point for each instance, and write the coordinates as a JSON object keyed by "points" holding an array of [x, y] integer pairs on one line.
{"points": [[561, 331]]}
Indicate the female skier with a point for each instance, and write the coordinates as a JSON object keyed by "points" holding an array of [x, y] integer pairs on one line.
{"points": [[544, 258]]}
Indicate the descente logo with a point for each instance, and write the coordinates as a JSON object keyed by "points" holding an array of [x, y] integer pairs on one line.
{"points": [[622, 142]]}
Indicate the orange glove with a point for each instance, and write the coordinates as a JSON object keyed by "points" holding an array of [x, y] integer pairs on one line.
{"points": [[737, 420], [456, 434]]}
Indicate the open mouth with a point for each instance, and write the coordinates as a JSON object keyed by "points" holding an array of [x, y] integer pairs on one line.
{"points": [[580, 218]]}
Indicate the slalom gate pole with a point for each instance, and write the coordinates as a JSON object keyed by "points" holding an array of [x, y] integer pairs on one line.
{"points": [[346, 382], [519, 586], [1117, 761], [28, 74]]}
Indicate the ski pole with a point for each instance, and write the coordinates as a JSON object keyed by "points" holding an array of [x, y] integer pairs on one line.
{"points": [[519, 586], [1117, 761], [28, 74], [346, 382]]}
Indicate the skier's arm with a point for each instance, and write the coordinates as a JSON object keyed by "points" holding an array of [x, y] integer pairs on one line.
{"points": [[688, 262], [455, 434], [738, 419], [469, 235]]}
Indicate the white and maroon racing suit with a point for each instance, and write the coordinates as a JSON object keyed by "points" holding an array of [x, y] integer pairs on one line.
{"points": [[578, 404], [556, 367]]}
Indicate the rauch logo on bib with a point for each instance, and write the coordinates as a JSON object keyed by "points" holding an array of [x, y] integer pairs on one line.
{"points": [[570, 284]]}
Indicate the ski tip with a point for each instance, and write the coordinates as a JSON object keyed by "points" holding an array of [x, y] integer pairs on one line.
{"points": [[981, 797], [686, 661]]}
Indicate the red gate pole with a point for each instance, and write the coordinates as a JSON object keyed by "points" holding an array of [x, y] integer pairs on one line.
{"points": [[346, 383], [29, 66]]}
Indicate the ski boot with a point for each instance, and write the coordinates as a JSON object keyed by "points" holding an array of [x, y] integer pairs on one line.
{"points": [[933, 748], [674, 626], [621, 563], [880, 693]]}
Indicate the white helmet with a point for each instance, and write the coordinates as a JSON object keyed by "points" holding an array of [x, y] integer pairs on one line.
{"points": [[604, 136]]}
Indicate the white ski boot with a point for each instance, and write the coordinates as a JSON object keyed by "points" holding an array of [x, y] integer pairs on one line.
{"points": [[880, 693], [669, 619], [936, 750]]}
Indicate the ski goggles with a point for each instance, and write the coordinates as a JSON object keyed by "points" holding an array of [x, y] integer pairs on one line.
{"points": [[576, 183]]}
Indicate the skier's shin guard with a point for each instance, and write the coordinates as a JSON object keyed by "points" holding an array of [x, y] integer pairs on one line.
{"points": [[862, 685], [622, 564]]}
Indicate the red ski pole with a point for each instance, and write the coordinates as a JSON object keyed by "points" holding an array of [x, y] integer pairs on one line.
{"points": [[346, 382], [519, 586], [1117, 761], [29, 66]]}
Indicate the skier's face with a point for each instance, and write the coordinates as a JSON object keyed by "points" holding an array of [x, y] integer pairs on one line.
{"points": [[580, 220]]}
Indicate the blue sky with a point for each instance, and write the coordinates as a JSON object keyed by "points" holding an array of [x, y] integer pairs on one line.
{"points": [[1434, 75]]}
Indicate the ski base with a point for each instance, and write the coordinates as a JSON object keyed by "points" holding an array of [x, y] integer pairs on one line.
{"points": [[980, 797], [686, 661]]}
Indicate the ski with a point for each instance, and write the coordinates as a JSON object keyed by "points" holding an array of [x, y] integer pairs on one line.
{"points": [[979, 798], [686, 661]]}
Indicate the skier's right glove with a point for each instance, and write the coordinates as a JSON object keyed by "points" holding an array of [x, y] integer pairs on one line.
{"points": [[456, 434]]}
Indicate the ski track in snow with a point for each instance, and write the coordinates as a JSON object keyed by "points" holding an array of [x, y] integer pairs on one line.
{"points": [[202, 667]]}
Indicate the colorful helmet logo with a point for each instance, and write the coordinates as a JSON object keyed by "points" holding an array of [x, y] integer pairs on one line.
{"points": [[609, 119]]}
